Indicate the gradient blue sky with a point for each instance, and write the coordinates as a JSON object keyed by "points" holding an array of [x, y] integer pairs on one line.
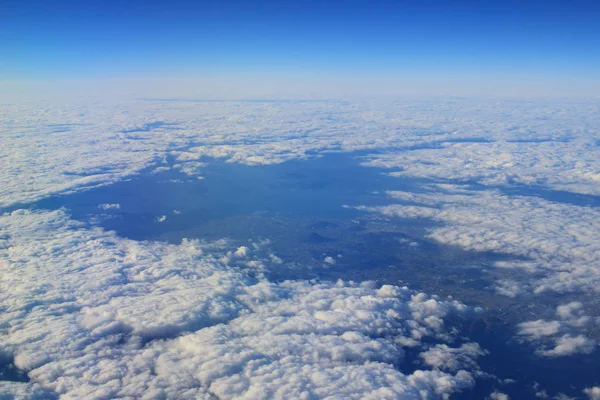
{"points": [[552, 42]]}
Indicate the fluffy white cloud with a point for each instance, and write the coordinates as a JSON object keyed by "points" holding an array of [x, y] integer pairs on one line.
{"points": [[108, 206], [242, 251], [443, 357], [508, 287], [88, 313], [103, 140], [567, 345], [499, 396], [539, 328], [558, 241], [555, 337], [570, 165], [557, 244], [593, 392], [91, 315]]}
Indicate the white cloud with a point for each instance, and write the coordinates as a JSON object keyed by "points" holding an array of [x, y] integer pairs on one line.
{"points": [[443, 357], [275, 259], [570, 311], [570, 165], [557, 240], [85, 298], [329, 260], [242, 252], [557, 243], [555, 338], [568, 345], [89, 314], [108, 206], [499, 396], [509, 288], [539, 328], [438, 139], [593, 392]]}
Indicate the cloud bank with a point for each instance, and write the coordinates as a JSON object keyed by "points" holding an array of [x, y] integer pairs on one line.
{"points": [[75, 144], [89, 314], [86, 313]]}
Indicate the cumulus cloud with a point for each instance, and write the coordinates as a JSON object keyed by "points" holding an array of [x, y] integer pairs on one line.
{"points": [[443, 357], [88, 314], [108, 206], [508, 287], [499, 396], [539, 328], [556, 240], [556, 244], [488, 141], [573, 313], [275, 259], [556, 338], [570, 164], [116, 298], [329, 260], [593, 392], [242, 251], [567, 345]]}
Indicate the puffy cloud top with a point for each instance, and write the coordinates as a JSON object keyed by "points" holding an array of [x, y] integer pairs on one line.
{"points": [[89, 314]]}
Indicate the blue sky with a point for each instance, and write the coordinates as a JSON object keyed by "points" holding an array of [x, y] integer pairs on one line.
{"points": [[458, 41]]}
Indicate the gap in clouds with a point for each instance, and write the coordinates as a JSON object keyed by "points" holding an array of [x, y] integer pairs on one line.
{"points": [[8, 371], [298, 207], [553, 195]]}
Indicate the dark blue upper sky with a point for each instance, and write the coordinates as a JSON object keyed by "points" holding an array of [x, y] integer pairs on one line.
{"points": [[548, 40]]}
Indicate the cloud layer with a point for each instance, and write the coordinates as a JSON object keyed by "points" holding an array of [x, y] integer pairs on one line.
{"points": [[89, 314], [57, 147], [556, 241]]}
